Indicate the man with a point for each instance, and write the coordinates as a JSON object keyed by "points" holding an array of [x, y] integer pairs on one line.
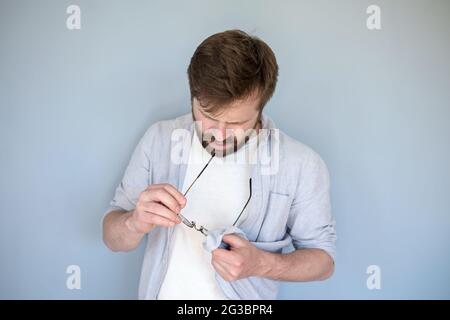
{"points": [[218, 208]]}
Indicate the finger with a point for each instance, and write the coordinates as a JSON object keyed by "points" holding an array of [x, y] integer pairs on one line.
{"points": [[161, 195], [227, 256], [176, 194], [160, 210], [223, 272], [228, 266], [234, 240], [159, 220]]}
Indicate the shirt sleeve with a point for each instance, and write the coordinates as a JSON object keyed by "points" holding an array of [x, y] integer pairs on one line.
{"points": [[310, 222], [135, 179]]}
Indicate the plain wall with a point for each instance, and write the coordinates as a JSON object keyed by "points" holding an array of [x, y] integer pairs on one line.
{"points": [[374, 104]]}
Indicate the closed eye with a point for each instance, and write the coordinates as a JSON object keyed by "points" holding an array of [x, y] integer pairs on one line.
{"points": [[229, 122]]}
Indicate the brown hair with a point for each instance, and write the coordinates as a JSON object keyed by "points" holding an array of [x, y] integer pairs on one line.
{"points": [[230, 66]]}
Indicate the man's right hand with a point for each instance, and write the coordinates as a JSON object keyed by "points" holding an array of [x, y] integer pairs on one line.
{"points": [[158, 205]]}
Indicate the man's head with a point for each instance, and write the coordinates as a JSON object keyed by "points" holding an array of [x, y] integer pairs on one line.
{"points": [[231, 77]]}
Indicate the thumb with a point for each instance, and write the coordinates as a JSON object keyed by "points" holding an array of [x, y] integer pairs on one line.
{"points": [[233, 240]]}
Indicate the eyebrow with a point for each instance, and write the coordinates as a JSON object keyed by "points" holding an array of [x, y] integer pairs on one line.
{"points": [[237, 122], [229, 122]]}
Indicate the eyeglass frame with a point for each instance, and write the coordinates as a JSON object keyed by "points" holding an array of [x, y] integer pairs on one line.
{"points": [[202, 229]]}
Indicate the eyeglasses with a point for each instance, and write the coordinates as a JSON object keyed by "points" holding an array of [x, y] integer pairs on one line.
{"points": [[202, 229]]}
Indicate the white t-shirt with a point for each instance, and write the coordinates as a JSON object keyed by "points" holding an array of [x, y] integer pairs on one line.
{"points": [[215, 200]]}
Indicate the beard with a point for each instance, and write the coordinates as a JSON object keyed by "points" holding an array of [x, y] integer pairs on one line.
{"points": [[226, 147], [222, 148]]}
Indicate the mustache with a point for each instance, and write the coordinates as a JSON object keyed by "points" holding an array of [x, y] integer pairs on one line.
{"points": [[208, 139], [223, 142], [230, 141]]}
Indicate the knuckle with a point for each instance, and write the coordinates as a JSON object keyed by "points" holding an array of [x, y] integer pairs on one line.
{"points": [[166, 186], [151, 206], [239, 262], [144, 196], [156, 193]]}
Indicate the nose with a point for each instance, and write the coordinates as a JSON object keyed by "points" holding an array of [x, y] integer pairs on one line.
{"points": [[224, 132], [221, 133]]}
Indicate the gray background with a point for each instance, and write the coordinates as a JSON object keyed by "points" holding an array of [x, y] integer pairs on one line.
{"points": [[374, 104]]}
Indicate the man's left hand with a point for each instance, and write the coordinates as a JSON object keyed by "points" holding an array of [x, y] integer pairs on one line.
{"points": [[242, 260]]}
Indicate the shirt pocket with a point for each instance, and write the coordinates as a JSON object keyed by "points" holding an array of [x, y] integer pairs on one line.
{"points": [[274, 223]]}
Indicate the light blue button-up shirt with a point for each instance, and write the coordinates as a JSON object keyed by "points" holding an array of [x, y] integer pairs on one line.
{"points": [[290, 204]]}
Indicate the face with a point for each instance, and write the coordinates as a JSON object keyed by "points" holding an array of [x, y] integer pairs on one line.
{"points": [[226, 132]]}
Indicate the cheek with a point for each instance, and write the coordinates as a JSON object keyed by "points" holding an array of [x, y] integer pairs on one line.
{"points": [[205, 122], [240, 132], [208, 124]]}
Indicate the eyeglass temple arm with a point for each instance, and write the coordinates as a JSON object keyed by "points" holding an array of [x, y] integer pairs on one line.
{"points": [[198, 176], [248, 200], [183, 218]]}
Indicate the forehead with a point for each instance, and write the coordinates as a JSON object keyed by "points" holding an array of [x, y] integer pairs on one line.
{"points": [[242, 109]]}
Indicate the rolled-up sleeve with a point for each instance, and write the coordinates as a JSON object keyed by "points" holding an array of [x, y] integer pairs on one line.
{"points": [[310, 223], [136, 177]]}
